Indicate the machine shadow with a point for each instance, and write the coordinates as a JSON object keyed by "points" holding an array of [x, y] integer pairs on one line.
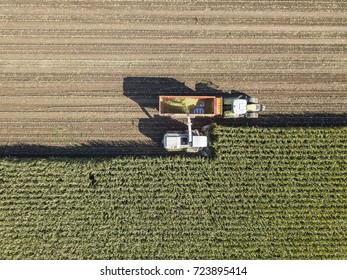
{"points": [[290, 120], [156, 127], [145, 91], [84, 150]]}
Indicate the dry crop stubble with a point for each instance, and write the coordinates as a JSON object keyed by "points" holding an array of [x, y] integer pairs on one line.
{"points": [[288, 54]]}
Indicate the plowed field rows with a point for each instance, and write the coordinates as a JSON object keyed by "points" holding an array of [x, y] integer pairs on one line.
{"points": [[84, 72]]}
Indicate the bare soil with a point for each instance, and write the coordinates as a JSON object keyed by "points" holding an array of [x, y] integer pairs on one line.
{"points": [[83, 77]]}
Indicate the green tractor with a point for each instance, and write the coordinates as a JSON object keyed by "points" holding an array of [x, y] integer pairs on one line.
{"points": [[241, 107]]}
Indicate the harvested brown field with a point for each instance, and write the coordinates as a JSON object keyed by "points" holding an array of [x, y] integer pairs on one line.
{"points": [[83, 77]]}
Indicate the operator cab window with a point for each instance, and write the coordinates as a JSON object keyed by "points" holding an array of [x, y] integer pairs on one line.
{"points": [[184, 141]]}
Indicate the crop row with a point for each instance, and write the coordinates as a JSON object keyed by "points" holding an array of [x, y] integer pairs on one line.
{"points": [[267, 194]]}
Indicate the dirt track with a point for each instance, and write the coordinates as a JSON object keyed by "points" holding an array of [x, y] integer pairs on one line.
{"points": [[88, 73]]}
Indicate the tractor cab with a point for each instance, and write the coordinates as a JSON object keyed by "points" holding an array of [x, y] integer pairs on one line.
{"points": [[178, 141], [175, 140], [241, 107]]}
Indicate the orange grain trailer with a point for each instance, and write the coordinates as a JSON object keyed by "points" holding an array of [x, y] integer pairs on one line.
{"points": [[181, 106]]}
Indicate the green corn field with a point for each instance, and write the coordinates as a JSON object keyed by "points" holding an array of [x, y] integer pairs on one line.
{"points": [[268, 193]]}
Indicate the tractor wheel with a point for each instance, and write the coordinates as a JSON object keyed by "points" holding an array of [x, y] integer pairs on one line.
{"points": [[252, 115], [230, 115], [252, 100]]}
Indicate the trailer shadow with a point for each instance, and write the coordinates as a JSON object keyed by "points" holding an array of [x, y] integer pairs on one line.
{"points": [[145, 91]]}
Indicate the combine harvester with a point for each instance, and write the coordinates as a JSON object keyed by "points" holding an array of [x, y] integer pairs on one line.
{"points": [[193, 141]]}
